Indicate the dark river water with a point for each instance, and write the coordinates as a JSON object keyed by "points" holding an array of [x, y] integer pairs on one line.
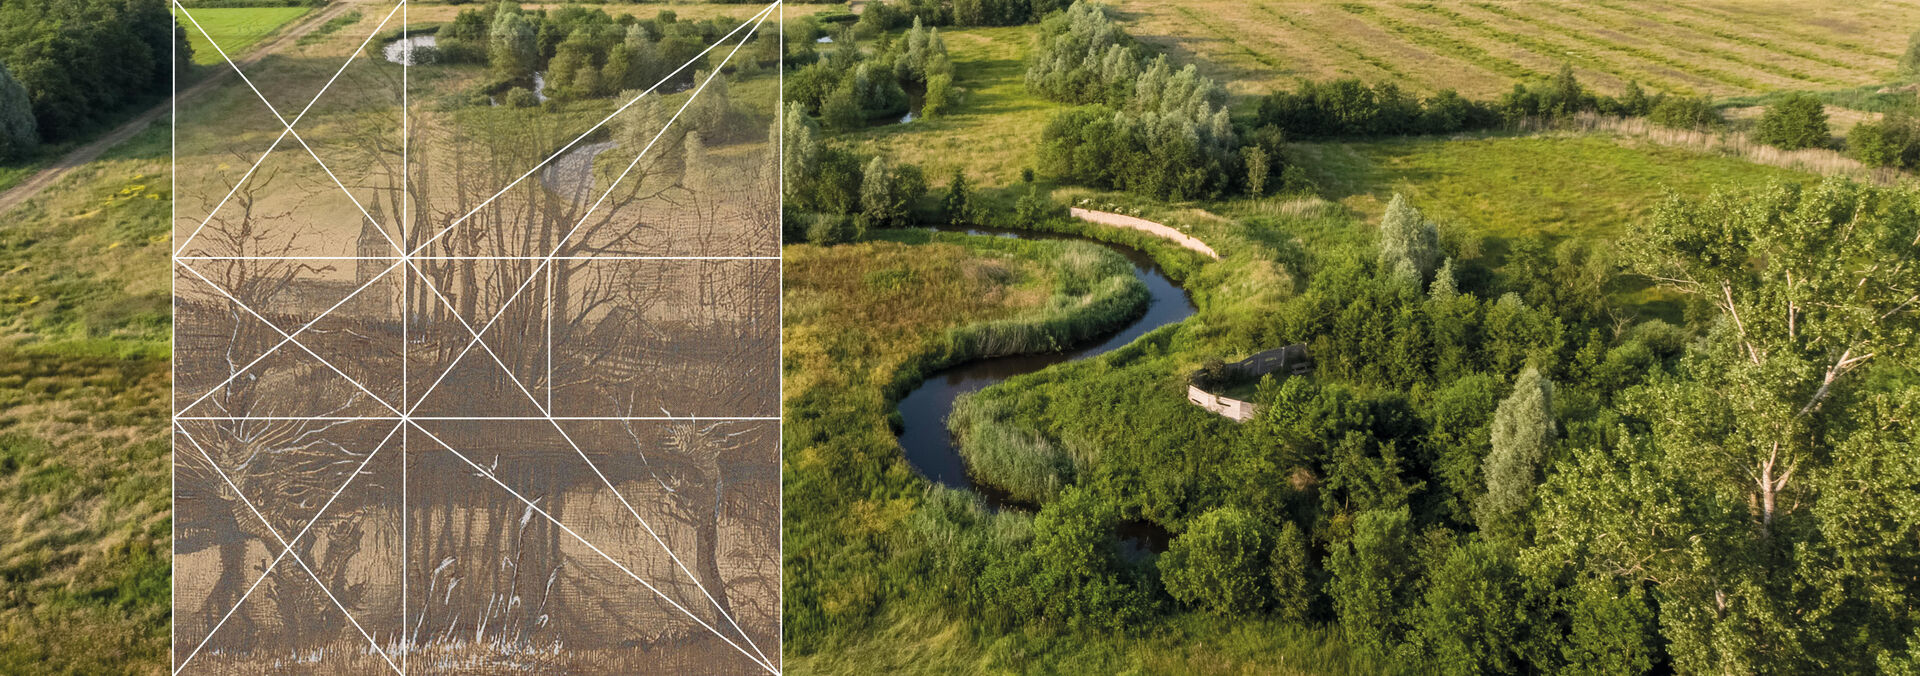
{"points": [[930, 447]]}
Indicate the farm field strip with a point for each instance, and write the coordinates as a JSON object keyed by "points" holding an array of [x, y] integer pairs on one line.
{"points": [[1612, 72], [1773, 44], [1691, 45], [1226, 37], [1751, 20], [1728, 48], [1419, 67], [1323, 36], [1439, 42], [1533, 62], [1539, 25]]}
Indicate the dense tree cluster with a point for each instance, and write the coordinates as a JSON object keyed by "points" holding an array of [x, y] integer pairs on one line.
{"points": [[82, 61], [834, 194], [1148, 129], [880, 16], [1349, 107], [851, 87], [584, 52]]}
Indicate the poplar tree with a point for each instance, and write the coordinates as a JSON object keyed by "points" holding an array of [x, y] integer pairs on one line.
{"points": [[1523, 431], [1407, 235], [18, 135]]}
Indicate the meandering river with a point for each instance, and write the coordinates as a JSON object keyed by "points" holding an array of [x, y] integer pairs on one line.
{"points": [[930, 447]]}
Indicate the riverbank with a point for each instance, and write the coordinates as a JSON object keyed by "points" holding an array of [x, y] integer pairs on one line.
{"points": [[1014, 470]]}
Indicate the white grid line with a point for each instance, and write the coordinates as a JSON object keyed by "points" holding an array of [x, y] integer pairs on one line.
{"points": [[406, 310]]}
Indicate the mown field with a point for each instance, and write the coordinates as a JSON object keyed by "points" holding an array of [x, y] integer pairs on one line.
{"points": [[1719, 48], [233, 28]]}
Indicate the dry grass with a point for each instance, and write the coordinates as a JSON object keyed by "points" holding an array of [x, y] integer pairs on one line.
{"points": [[1720, 47], [1822, 161]]}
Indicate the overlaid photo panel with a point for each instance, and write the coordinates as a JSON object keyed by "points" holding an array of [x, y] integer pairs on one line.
{"points": [[476, 351], [929, 337]]}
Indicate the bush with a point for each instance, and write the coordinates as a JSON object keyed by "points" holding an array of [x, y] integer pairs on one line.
{"points": [[939, 96], [1796, 121], [1893, 141], [519, 97], [831, 229], [1685, 112], [1220, 563], [1035, 208]]}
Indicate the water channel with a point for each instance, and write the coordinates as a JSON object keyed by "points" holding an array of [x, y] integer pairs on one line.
{"points": [[930, 447]]}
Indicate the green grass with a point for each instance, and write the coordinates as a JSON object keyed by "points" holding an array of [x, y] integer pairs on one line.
{"points": [[990, 130], [1506, 186], [12, 176], [234, 29], [330, 27], [83, 409]]}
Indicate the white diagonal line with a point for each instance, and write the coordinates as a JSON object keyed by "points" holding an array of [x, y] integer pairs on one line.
{"points": [[658, 540], [596, 549], [283, 132], [476, 337], [287, 546], [323, 315], [276, 329], [761, 15], [289, 128], [562, 241]]}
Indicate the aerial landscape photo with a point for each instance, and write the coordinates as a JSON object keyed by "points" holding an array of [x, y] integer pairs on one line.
{"points": [[960, 337]]}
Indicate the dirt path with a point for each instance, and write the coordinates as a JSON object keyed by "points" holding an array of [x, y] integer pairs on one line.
{"points": [[1146, 226], [45, 178]]}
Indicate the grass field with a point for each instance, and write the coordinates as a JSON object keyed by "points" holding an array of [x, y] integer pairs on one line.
{"points": [[233, 28], [83, 450], [1721, 47], [1506, 186], [989, 132]]}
